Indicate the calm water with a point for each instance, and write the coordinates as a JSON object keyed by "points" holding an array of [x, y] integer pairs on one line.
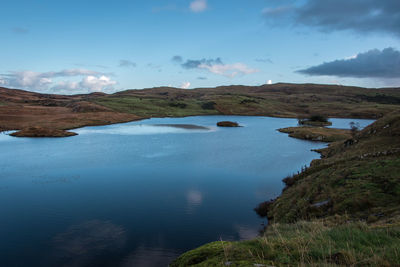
{"points": [[137, 194]]}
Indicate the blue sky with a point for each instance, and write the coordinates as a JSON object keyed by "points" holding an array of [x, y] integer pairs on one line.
{"points": [[83, 46]]}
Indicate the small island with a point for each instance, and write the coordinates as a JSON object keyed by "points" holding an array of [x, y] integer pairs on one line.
{"points": [[42, 132], [228, 124]]}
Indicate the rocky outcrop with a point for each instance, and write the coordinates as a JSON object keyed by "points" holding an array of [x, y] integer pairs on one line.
{"points": [[228, 124]]}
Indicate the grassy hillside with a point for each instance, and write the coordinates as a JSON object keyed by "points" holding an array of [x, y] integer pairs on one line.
{"points": [[359, 177], [278, 100], [344, 210], [22, 109]]}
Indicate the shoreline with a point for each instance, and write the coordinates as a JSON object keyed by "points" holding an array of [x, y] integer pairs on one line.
{"points": [[70, 130], [343, 194], [23, 109]]}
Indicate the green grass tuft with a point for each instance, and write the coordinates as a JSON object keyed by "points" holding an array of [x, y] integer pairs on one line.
{"points": [[304, 244]]}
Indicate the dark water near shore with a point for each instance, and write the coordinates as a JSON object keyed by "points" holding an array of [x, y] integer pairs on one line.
{"points": [[138, 194]]}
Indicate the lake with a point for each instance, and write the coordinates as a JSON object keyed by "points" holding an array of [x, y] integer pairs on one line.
{"points": [[141, 193]]}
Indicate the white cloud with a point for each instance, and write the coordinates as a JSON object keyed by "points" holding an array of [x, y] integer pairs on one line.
{"points": [[228, 70], [198, 6], [71, 72], [27, 79], [185, 85], [351, 57], [59, 81], [269, 82], [66, 85], [95, 84]]}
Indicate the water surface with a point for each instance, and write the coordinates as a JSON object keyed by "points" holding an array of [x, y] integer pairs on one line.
{"points": [[140, 193]]}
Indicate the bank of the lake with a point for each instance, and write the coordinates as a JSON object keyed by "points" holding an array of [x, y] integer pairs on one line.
{"points": [[343, 210]]}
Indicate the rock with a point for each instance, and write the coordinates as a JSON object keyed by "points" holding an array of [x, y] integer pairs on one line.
{"points": [[227, 124], [321, 203]]}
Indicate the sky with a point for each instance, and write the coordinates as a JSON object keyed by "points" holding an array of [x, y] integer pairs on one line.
{"points": [[83, 46]]}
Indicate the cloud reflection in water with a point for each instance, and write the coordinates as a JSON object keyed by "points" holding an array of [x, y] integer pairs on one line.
{"points": [[143, 129], [82, 244], [194, 199]]}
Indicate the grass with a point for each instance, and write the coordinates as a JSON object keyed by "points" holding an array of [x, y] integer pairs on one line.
{"points": [[280, 100], [365, 189], [152, 107], [304, 244]]}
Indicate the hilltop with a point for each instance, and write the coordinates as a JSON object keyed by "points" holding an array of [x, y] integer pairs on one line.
{"points": [[22, 109]]}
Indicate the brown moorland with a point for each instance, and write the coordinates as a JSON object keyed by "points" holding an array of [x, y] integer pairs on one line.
{"points": [[22, 109]]}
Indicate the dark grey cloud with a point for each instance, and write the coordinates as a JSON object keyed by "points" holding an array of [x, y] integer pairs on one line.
{"points": [[372, 64], [127, 63], [177, 59], [363, 16], [216, 66], [202, 78], [20, 30], [194, 63]]}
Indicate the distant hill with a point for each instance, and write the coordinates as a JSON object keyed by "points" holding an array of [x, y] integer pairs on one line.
{"points": [[21, 109]]}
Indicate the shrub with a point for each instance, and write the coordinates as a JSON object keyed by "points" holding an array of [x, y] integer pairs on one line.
{"points": [[248, 101], [319, 118], [262, 208], [354, 128], [208, 105], [313, 119], [177, 105]]}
